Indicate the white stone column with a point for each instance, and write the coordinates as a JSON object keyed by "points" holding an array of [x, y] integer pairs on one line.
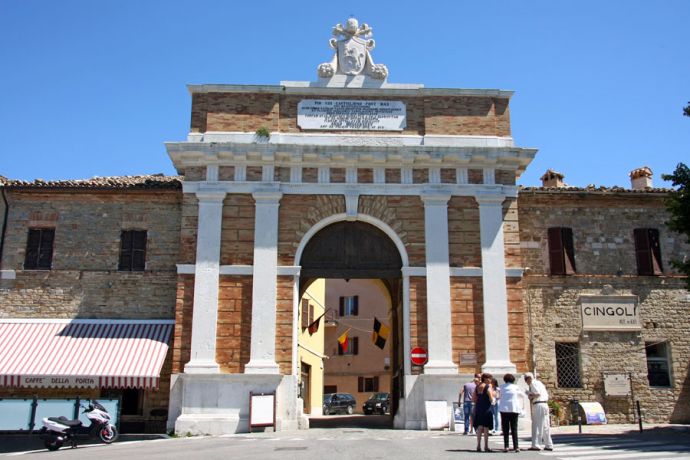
{"points": [[205, 309], [439, 337], [262, 358], [496, 343]]}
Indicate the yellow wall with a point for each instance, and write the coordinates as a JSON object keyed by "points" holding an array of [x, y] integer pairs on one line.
{"points": [[310, 348]]}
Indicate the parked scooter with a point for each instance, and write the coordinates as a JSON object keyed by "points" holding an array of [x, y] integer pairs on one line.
{"points": [[58, 430]]}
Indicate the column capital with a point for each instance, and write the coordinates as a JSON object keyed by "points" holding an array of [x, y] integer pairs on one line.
{"points": [[435, 199], [210, 196], [267, 197], [488, 199]]}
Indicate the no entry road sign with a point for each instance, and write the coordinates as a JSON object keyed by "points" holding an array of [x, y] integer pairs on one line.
{"points": [[418, 356]]}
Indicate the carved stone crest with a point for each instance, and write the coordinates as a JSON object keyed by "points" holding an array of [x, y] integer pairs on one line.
{"points": [[352, 52]]}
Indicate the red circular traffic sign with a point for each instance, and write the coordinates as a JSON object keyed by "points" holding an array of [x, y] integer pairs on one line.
{"points": [[418, 356]]}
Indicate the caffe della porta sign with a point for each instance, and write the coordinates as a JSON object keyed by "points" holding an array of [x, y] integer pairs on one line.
{"points": [[610, 313]]}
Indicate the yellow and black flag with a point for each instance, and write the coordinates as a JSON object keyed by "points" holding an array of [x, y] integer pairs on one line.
{"points": [[380, 334]]}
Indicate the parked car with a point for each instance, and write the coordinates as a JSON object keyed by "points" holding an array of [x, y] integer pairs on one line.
{"points": [[377, 403], [334, 403]]}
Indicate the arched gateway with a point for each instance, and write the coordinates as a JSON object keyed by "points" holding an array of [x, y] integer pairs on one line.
{"points": [[351, 177]]}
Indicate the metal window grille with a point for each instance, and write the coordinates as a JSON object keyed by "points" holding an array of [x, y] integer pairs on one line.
{"points": [[568, 365]]}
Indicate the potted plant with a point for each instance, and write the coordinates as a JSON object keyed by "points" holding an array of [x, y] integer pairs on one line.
{"points": [[556, 411]]}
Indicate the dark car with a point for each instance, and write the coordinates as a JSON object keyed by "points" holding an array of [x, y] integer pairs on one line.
{"points": [[334, 403], [377, 403]]}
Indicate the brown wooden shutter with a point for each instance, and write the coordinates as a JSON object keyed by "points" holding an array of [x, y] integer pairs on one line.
{"points": [[556, 253], [355, 307], [643, 252], [355, 345], [655, 251], [341, 309], [360, 384], [138, 250], [311, 313], [569, 250], [45, 253], [376, 384], [33, 244], [125, 250], [305, 313]]}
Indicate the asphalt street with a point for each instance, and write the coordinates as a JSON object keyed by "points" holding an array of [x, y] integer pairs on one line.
{"points": [[362, 443]]}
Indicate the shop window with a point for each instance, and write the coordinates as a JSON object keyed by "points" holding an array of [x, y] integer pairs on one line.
{"points": [[349, 306], [39, 249], [132, 250], [561, 251], [657, 364], [367, 384], [647, 251], [568, 365], [352, 347]]}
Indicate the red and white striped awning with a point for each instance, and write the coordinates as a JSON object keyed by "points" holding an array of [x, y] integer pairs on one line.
{"points": [[83, 353]]}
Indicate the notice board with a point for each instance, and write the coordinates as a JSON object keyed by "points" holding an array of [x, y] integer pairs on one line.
{"points": [[262, 410], [436, 415]]}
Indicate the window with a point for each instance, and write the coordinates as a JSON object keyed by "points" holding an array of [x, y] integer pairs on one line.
{"points": [[349, 306], [657, 365], [132, 250], [561, 251], [647, 251], [352, 347], [367, 384], [568, 365], [132, 399], [39, 249], [305, 314]]}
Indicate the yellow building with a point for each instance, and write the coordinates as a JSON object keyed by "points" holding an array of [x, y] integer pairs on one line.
{"points": [[310, 349]]}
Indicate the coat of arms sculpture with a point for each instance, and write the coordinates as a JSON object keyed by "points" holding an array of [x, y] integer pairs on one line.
{"points": [[352, 52]]}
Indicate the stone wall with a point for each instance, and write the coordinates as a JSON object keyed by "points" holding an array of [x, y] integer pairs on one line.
{"points": [[447, 115], [84, 280], [605, 260]]}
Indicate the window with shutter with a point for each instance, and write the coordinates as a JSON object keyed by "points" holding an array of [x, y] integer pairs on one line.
{"points": [[305, 313], [647, 251], [132, 250], [360, 384], [39, 249], [561, 251]]}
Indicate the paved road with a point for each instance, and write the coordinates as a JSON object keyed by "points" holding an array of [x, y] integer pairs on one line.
{"points": [[356, 443]]}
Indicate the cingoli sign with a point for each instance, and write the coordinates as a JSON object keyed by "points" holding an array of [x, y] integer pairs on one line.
{"points": [[609, 313]]}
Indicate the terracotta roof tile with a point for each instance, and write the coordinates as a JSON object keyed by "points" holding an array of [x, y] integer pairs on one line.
{"points": [[153, 181]]}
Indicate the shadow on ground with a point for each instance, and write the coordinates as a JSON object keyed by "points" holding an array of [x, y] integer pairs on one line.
{"points": [[372, 422], [10, 443]]}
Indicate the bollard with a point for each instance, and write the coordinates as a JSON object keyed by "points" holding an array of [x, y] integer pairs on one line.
{"points": [[575, 408], [639, 414]]}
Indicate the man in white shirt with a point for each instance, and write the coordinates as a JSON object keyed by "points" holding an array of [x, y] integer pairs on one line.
{"points": [[541, 424]]}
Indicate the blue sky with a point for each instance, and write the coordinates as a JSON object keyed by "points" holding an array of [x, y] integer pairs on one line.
{"points": [[94, 88]]}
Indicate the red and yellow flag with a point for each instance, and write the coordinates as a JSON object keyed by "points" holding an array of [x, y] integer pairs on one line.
{"points": [[343, 341]]}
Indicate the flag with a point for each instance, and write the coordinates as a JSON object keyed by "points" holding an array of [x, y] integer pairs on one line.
{"points": [[314, 326], [343, 341], [380, 334]]}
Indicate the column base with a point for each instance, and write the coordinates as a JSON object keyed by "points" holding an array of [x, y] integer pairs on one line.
{"points": [[261, 367], [201, 367], [499, 367], [441, 368]]}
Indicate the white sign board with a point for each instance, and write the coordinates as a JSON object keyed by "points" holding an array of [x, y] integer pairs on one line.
{"points": [[617, 385], [341, 114], [609, 313], [436, 415], [261, 409]]}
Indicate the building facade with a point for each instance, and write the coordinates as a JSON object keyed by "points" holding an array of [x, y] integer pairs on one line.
{"points": [[353, 177]]}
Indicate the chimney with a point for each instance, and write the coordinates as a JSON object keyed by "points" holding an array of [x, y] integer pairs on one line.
{"points": [[552, 178], [641, 178]]}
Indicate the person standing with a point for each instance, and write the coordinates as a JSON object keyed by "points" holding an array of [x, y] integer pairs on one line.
{"points": [[494, 407], [483, 418], [509, 406], [465, 400], [541, 424]]}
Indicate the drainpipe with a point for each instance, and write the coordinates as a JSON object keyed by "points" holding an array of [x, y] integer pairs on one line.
{"points": [[4, 223]]}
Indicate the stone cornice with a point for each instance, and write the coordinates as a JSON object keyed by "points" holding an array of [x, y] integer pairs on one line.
{"points": [[305, 88]]}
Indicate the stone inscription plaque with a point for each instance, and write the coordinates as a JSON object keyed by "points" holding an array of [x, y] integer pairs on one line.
{"points": [[332, 114]]}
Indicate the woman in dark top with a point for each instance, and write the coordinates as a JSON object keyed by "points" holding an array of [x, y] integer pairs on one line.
{"points": [[483, 418]]}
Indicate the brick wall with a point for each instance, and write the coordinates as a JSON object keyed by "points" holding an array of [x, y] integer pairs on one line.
{"points": [[237, 237], [234, 327], [246, 112]]}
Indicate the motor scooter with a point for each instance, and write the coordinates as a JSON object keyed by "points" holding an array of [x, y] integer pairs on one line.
{"points": [[58, 430]]}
